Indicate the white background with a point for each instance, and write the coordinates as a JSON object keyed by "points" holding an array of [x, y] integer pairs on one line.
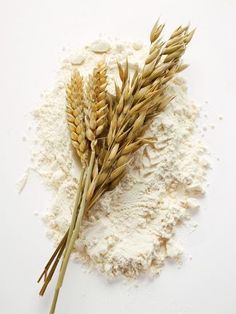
{"points": [[32, 35]]}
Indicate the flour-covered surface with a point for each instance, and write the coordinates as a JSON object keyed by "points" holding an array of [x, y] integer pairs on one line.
{"points": [[131, 230]]}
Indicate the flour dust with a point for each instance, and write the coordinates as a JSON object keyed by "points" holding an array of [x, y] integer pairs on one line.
{"points": [[131, 230]]}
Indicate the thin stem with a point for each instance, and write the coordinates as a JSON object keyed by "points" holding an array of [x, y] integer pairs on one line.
{"points": [[75, 210], [46, 268], [52, 270], [62, 247], [74, 234]]}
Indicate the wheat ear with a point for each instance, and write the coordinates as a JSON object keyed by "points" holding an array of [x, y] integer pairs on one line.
{"points": [[76, 123], [75, 116], [95, 121], [96, 107]]}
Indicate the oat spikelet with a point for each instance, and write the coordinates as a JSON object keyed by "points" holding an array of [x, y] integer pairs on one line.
{"points": [[96, 107], [137, 102], [75, 116]]}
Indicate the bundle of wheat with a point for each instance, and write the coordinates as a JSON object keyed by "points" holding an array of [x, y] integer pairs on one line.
{"points": [[107, 129]]}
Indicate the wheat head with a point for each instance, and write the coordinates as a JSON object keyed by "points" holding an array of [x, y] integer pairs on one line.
{"points": [[75, 116], [96, 107]]}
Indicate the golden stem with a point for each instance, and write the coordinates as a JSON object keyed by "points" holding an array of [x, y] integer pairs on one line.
{"points": [[75, 234]]}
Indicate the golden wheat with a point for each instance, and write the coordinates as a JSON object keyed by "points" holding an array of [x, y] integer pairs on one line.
{"points": [[116, 124], [139, 100], [96, 109], [75, 116]]}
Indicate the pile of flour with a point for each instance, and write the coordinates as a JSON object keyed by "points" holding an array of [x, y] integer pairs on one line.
{"points": [[131, 229]]}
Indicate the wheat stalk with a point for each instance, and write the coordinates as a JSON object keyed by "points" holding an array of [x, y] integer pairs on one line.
{"points": [[76, 122], [116, 124], [74, 234], [95, 121], [76, 125]]}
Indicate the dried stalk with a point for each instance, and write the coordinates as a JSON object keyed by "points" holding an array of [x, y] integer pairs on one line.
{"points": [[74, 234], [95, 122], [65, 241], [76, 206]]}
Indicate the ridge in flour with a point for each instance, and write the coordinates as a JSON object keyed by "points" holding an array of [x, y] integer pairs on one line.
{"points": [[131, 230]]}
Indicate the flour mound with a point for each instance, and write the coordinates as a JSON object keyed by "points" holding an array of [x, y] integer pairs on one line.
{"points": [[131, 229]]}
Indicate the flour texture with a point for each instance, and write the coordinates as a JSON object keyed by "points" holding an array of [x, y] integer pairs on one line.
{"points": [[131, 230]]}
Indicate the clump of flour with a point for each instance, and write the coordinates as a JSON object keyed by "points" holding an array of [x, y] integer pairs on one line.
{"points": [[131, 229]]}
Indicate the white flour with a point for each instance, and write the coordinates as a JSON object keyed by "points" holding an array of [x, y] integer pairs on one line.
{"points": [[131, 229]]}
